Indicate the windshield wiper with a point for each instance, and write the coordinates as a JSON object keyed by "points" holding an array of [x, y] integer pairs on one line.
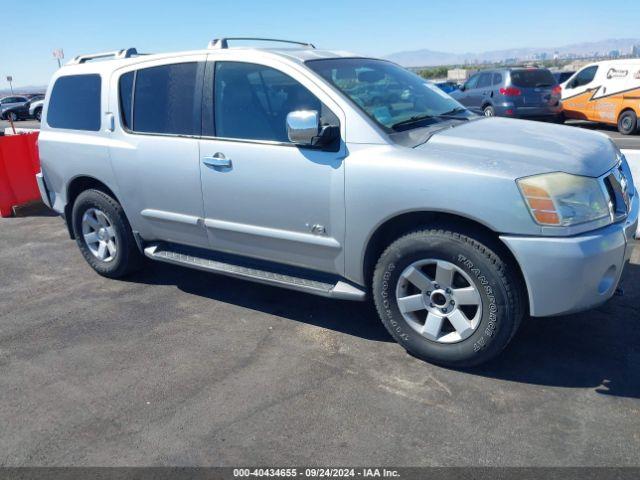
{"points": [[452, 112], [414, 119]]}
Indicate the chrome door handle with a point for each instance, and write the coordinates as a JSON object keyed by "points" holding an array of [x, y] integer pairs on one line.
{"points": [[216, 161]]}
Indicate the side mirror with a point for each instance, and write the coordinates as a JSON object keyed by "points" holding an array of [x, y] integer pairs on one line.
{"points": [[304, 129], [303, 126], [462, 87]]}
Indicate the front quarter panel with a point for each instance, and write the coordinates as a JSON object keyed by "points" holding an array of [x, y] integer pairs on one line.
{"points": [[384, 181]]}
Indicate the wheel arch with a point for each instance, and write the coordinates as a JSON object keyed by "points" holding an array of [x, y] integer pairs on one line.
{"points": [[75, 187], [399, 225], [628, 108]]}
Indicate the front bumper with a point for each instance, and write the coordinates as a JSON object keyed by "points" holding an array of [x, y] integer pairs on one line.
{"points": [[570, 274]]}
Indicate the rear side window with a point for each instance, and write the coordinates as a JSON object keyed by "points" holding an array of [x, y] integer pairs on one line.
{"points": [[126, 93], [532, 78], [485, 80], [497, 78], [75, 103], [165, 99]]}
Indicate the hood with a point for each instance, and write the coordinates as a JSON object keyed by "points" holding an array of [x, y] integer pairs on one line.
{"points": [[519, 148]]}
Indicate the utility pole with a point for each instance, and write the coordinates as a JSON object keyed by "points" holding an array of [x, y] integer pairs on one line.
{"points": [[10, 79]]}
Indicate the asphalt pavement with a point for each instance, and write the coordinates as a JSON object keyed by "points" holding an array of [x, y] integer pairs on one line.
{"points": [[178, 367]]}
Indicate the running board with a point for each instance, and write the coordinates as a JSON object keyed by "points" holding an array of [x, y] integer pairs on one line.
{"points": [[199, 260]]}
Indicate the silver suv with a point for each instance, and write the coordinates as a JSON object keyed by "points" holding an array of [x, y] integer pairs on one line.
{"points": [[340, 176]]}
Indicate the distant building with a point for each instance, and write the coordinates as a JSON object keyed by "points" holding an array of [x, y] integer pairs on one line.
{"points": [[614, 53], [459, 74], [635, 51]]}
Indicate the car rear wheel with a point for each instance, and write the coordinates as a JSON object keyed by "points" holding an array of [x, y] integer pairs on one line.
{"points": [[447, 297], [628, 122], [12, 116], [38, 114], [103, 235], [489, 111]]}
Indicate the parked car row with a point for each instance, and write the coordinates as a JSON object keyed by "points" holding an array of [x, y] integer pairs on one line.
{"points": [[604, 92], [21, 107]]}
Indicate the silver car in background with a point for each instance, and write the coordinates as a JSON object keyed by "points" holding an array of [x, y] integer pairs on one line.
{"points": [[340, 176], [35, 109]]}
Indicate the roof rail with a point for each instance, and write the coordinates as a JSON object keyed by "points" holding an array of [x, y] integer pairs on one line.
{"points": [[222, 43], [116, 54]]}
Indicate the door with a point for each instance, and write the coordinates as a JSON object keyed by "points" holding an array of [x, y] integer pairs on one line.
{"points": [[263, 196], [483, 90], [469, 96], [154, 151], [577, 93]]}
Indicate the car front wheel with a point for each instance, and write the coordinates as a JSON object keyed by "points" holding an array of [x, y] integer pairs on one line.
{"points": [[12, 116], [447, 297], [38, 114]]}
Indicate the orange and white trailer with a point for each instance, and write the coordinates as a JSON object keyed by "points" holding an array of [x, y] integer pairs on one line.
{"points": [[606, 92]]}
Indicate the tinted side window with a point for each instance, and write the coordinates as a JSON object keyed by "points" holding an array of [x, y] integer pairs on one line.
{"points": [[166, 101], [125, 86], [75, 103], [497, 78], [585, 76], [252, 102], [472, 82], [485, 80]]}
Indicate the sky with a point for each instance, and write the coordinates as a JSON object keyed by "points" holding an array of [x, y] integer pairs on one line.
{"points": [[368, 27]]}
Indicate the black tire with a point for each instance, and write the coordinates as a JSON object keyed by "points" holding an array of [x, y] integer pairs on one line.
{"points": [[501, 293], [38, 114], [127, 257], [12, 116], [489, 111], [627, 122]]}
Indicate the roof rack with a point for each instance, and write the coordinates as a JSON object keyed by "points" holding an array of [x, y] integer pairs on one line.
{"points": [[116, 54], [222, 43]]}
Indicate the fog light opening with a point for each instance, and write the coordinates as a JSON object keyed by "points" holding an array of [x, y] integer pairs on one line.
{"points": [[608, 280]]}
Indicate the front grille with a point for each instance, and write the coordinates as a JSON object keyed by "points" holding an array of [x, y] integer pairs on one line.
{"points": [[618, 185]]}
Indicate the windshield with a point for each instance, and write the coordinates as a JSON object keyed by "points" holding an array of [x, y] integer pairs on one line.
{"points": [[534, 77], [395, 98]]}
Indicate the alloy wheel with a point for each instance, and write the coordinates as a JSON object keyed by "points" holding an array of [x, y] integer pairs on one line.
{"points": [[439, 300], [99, 235]]}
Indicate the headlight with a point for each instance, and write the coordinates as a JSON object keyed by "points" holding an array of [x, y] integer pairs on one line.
{"points": [[562, 200]]}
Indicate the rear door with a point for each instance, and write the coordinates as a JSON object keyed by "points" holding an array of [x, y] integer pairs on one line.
{"points": [[577, 93], [154, 149]]}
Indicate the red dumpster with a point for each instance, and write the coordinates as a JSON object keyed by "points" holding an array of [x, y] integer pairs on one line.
{"points": [[19, 164]]}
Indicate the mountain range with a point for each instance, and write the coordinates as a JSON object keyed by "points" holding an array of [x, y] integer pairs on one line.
{"points": [[425, 57]]}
